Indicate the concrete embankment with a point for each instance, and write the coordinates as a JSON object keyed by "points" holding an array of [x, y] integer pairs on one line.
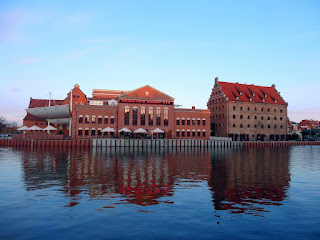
{"points": [[153, 143]]}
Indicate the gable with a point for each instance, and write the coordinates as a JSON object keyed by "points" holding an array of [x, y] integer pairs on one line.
{"points": [[146, 93]]}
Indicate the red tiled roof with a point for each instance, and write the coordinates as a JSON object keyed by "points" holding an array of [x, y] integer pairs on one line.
{"points": [[257, 94], [106, 94], [146, 92], [43, 102]]}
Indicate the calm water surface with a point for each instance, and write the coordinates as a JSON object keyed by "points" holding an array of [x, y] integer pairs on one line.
{"points": [[160, 194]]}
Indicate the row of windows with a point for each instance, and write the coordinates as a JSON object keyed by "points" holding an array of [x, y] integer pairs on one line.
{"points": [[255, 126], [190, 122], [220, 107], [255, 117], [159, 115], [93, 119], [190, 134], [255, 109], [93, 132], [216, 100]]}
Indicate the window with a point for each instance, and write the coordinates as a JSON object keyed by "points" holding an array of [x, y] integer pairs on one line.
{"points": [[261, 117], [268, 109], [255, 109], [99, 132], [166, 117], [93, 119], [268, 117], [275, 118], [248, 125], [203, 134], [234, 116], [178, 133], [177, 121], [126, 116], [240, 108], [193, 121], [86, 132], [262, 126], [261, 109], [234, 125], [188, 133], [241, 117], [93, 132], [188, 121], [281, 126], [268, 126], [183, 133], [158, 117], [248, 108], [81, 119], [112, 120], [281, 118], [106, 120], [248, 116], [199, 121], [134, 116], [99, 120], [281, 110], [143, 116], [87, 120], [193, 133], [275, 126], [80, 132], [183, 122], [241, 125], [199, 133], [275, 110], [150, 116], [203, 122], [234, 107], [255, 117], [255, 126]]}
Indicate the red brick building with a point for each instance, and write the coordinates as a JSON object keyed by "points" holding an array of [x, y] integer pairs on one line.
{"points": [[145, 107], [247, 112]]}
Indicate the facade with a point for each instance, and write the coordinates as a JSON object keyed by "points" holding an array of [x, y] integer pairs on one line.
{"points": [[145, 107], [247, 112]]}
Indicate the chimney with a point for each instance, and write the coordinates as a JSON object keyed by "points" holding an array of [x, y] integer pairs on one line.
{"points": [[274, 86], [216, 80], [193, 107], [76, 86]]}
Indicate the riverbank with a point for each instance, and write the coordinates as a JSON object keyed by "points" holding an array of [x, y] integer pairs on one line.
{"points": [[151, 143]]}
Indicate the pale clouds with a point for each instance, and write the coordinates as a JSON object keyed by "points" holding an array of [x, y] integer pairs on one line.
{"points": [[29, 60]]}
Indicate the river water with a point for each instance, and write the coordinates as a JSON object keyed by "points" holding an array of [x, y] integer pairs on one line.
{"points": [[160, 194]]}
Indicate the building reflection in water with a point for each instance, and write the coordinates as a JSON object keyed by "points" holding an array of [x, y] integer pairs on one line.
{"points": [[241, 181]]}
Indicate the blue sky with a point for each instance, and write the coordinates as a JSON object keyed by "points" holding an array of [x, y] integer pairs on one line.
{"points": [[178, 47]]}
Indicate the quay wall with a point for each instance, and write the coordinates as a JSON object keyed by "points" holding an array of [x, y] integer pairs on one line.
{"points": [[151, 143]]}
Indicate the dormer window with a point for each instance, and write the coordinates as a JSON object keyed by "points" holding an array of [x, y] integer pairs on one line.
{"points": [[250, 99], [265, 95], [237, 98], [263, 100], [253, 94], [240, 93], [275, 101]]}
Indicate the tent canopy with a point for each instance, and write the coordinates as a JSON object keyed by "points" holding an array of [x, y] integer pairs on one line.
{"points": [[140, 130], [108, 129], [35, 128], [23, 128], [157, 130], [49, 128], [126, 130]]}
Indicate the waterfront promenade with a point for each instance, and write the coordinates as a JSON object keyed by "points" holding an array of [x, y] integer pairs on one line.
{"points": [[148, 143]]}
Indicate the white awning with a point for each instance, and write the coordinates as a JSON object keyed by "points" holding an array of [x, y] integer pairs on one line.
{"points": [[140, 130]]}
